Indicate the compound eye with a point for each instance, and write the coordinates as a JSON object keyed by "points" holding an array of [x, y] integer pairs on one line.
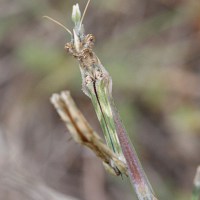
{"points": [[88, 79], [68, 47], [90, 40], [98, 74]]}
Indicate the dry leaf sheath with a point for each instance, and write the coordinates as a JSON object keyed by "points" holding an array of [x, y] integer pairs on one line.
{"points": [[82, 132]]}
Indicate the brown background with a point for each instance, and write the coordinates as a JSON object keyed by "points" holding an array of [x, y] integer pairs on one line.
{"points": [[151, 48]]}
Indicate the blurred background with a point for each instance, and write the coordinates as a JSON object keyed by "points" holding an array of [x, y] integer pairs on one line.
{"points": [[151, 48]]}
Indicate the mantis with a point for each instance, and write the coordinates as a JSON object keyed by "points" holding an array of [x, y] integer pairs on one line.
{"points": [[97, 85]]}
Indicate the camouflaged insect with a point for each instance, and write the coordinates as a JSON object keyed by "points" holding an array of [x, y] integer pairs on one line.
{"points": [[97, 85]]}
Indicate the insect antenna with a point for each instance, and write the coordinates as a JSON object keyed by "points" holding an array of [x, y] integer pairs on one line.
{"points": [[58, 24], [84, 12]]}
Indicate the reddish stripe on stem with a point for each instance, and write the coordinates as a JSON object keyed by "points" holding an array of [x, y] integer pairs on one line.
{"points": [[134, 168]]}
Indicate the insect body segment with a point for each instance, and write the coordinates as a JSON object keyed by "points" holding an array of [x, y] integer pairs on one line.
{"points": [[97, 85], [93, 74], [81, 49]]}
